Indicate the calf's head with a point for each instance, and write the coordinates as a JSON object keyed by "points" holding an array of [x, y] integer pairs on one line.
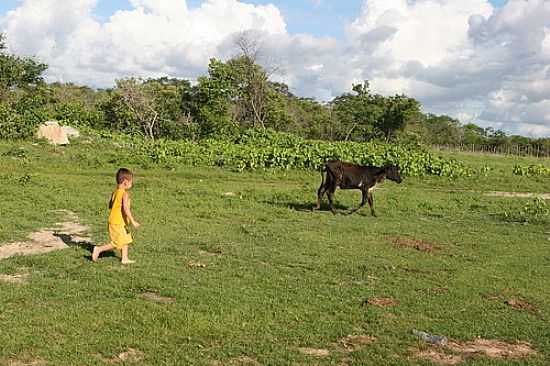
{"points": [[392, 173]]}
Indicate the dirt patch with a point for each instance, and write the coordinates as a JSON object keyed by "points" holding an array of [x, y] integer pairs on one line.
{"points": [[544, 196], [488, 348], [155, 297], [383, 302], [355, 343], [439, 358], [315, 352], [411, 243], [244, 360], [26, 363], [494, 349], [131, 355], [49, 240], [18, 278], [521, 305]]}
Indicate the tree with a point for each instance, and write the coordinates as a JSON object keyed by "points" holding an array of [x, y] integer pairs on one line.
{"points": [[139, 98], [442, 130], [356, 114], [396, 112], [251, 79], [17, 72]]}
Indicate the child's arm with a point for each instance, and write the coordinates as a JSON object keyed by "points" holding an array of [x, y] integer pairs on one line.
{"points": [[126, 209]]}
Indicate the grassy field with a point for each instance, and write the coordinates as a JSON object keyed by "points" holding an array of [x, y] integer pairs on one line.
{"points": [[254, 277]]}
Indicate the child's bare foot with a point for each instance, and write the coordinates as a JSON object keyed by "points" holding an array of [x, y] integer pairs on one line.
{"points": [[127, 261], [95, 254]]}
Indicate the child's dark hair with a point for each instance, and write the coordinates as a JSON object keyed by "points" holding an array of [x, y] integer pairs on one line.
{"points": [[123, 174]]}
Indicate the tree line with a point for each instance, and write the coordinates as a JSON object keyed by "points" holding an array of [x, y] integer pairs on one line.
{"points": [[233, 96]]}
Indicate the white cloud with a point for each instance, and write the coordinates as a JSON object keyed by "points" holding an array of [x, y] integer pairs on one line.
{"points": [[464, 58], [155, 38]]}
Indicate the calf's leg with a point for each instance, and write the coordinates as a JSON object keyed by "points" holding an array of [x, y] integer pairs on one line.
{"points": [[330, 195], [364, 195], [371, 202], [322, 190]]}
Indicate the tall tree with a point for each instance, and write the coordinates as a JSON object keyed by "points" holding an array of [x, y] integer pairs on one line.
{"points": [[139, 98], [356, 114], [396, 112], [17, 72]]}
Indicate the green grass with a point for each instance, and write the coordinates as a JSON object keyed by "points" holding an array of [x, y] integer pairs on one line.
{"points": [[283, 277]]}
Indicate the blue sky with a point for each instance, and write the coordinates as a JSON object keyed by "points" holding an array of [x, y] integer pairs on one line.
{"points": [[302, 16]]}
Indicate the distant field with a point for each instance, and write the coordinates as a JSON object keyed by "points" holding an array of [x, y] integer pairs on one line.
{"points": [[234, 268]]}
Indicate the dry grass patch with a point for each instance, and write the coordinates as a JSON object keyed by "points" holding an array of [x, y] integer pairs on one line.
{"points": [[411, 243], [494, 349], [544, 196], [155, 297], [26, 363], [18, 278], [129, 356], [480, 347], [315, 352], [383, 302], [439, 358], [355, 343], [521, 305]]}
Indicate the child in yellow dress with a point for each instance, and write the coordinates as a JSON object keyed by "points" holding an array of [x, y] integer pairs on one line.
{"points": [[119, 218]]}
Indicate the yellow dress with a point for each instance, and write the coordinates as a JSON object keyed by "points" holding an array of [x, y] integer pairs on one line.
{"points": [[118, 231]]}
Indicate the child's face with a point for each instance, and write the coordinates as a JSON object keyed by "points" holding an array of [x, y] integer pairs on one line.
{"points": [[128, 183]]}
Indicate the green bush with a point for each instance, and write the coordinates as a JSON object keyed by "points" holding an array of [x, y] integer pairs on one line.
{"points": [[531, 170], [14, 125], [259, 150]]}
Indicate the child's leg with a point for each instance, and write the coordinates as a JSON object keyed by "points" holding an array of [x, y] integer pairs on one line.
{"points": [[98, 250], [125, 259]]}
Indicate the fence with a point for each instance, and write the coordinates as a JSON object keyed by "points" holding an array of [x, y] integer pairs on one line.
{"points": [[514, 150]]}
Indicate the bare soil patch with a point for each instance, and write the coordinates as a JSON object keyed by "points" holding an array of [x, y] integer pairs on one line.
{"points": [[131, 355], [242, 360], [315, 352], [521, 305], [26, 363], [155, 297], [480, 347], [411, 243], [494, 348], [48, 240], [544, 196], [383, 302], [355, 343], [440, 358]]}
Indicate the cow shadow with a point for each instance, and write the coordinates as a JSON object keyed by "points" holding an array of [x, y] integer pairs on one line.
{"points": [[306, 207]]}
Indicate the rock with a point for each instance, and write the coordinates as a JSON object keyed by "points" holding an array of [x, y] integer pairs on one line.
{"points": [[52, 132], [71, 131]]}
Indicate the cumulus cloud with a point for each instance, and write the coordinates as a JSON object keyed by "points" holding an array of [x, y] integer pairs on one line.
{"points": [[156, 37], [464, 58]]}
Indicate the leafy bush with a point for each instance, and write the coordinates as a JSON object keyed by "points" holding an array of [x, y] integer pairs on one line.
{"points": [[535, 211], [531, 170], [14, 125], [267, 149]]}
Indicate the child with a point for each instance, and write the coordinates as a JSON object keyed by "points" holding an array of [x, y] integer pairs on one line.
{"points": [[119, 218]]}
